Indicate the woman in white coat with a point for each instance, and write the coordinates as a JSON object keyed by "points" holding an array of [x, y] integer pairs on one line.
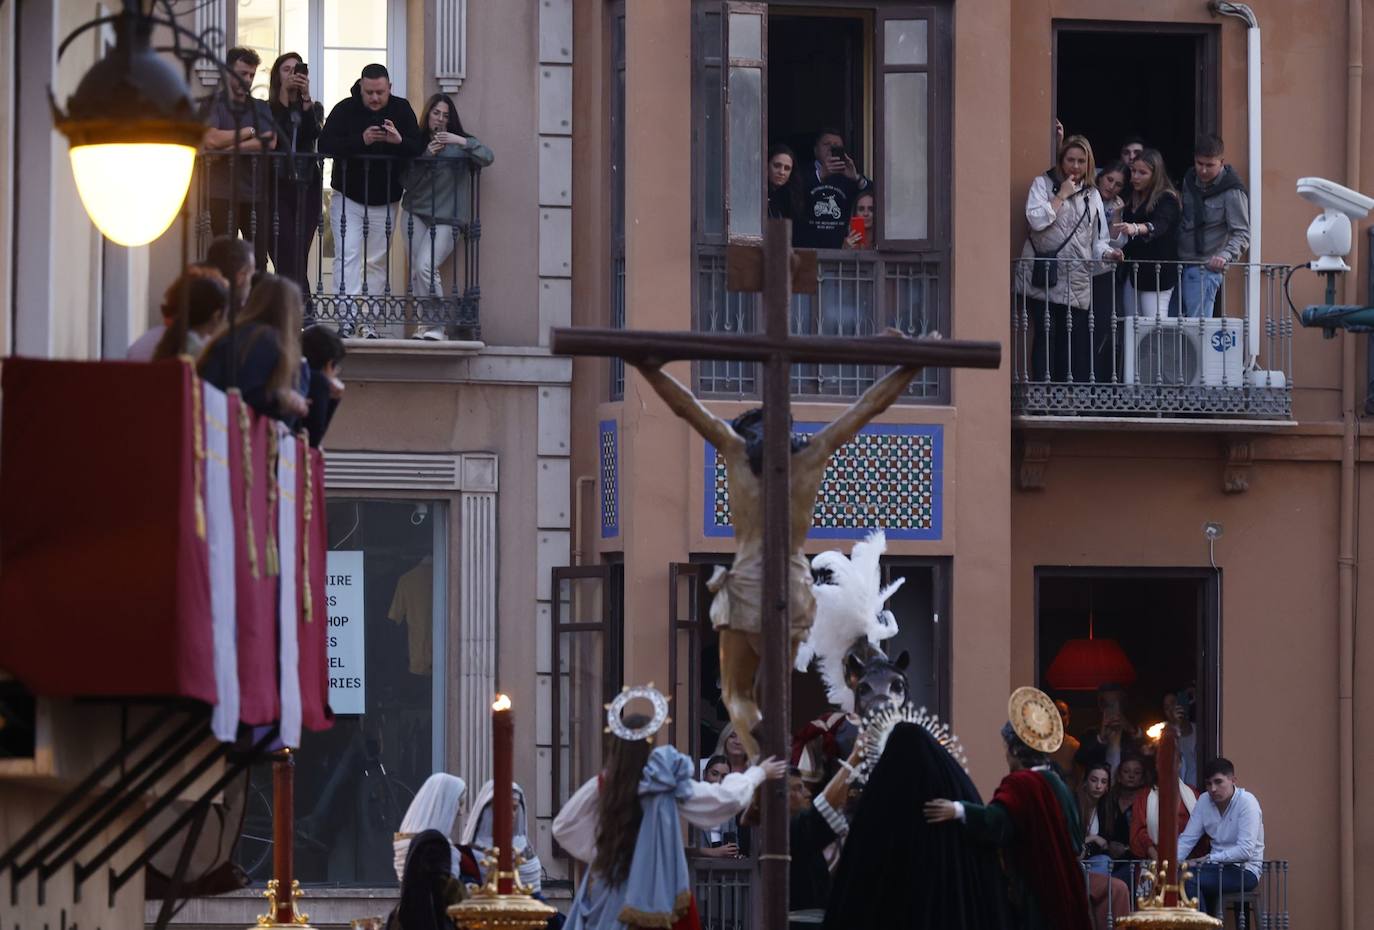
{"points": [[1068, 238]]}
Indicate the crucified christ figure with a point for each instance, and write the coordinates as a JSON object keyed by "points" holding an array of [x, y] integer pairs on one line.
{"points": [[736, 611]]}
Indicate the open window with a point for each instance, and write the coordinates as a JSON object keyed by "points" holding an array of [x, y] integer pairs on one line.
{"points": [[875, 74], [1154, 632], [1095, 97], [587, 653]]}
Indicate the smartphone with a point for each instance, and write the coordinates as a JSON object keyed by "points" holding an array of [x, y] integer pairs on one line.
{"points": [[858, 226], [302, 68], [837, 151]]}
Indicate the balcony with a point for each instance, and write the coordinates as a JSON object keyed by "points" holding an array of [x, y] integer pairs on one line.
{"points": [[1122, 352], [422, 279], [859, 294]]}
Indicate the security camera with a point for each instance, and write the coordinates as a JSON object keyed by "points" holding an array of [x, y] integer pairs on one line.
{"points": [[1331, 196], [1329, 235]]}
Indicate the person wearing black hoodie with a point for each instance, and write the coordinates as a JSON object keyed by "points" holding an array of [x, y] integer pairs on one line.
{"points": [[370, 123]]}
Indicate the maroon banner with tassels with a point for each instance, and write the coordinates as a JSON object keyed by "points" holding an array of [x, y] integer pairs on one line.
{"points": [[108, 516]]}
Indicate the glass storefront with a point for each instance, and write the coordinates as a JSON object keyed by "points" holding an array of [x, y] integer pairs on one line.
{"points": [[386, 590]]}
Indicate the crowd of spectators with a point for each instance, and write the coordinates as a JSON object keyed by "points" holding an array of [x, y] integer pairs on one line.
{"points": [[282, 368], [1113, 773], [385, 158], [1123, 241]]}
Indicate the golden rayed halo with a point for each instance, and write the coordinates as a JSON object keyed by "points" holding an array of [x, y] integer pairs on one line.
{"points": [[878, 726], [1035, 719]]}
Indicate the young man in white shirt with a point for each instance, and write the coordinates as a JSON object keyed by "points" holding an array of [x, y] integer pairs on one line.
{"points": [[1232, 820]]}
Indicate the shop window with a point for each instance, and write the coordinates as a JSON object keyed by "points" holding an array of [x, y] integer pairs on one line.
{"points": [[354, 781]]}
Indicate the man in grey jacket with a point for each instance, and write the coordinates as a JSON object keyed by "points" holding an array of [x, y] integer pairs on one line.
{"points": [[1215, 227]]}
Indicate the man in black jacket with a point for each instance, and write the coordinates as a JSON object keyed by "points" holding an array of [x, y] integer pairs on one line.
{"points": [[369, 135]]}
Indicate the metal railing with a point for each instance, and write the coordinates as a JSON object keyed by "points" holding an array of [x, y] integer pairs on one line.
{"points": [[860, 294], [724, 892], [403, 267], [1257, 902], [724, 888], [1155, 339]]}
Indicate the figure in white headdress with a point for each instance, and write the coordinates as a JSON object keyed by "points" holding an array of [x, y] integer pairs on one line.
{"points": [[849, 606]]}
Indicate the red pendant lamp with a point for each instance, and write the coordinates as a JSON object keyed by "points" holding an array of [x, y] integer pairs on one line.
{"points": [[1087, 664]]}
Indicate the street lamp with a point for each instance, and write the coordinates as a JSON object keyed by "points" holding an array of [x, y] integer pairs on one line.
{"points": [[133, 129]]}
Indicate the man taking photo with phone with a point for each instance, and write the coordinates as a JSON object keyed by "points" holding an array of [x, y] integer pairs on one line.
{"points": [[829, 189], [371, 122]]}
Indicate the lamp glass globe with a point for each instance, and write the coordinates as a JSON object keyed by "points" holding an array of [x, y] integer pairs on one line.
{"points": [[132, 191]]}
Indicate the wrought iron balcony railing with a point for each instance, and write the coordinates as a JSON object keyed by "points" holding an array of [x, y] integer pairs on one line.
{"points": [[860, 294], [402, 267], [1156, 339]]}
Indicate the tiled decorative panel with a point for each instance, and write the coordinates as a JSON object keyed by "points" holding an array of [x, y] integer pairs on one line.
{"points": [[888, 477], [610, 479]]}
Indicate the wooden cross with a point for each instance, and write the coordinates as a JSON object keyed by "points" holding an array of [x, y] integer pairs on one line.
{"points": [[776, 271]]}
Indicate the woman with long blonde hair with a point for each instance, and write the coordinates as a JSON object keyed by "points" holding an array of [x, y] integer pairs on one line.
{"points": [[1149, 221], [266, 363]]}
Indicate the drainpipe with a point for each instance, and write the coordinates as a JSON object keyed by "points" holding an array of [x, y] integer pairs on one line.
{"points": [[1254, 97], [1349, 512]]}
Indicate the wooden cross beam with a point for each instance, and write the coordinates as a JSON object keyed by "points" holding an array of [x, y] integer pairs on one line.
{"points": [[776, 271]]}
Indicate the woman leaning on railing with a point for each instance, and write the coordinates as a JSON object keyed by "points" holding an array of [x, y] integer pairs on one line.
{"points": [[438, 196]]}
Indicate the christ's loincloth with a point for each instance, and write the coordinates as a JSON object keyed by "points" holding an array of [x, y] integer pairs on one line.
{"points": [[738, 601]]}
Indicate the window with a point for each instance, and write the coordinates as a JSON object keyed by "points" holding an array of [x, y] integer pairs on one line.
{"points": [[1155, 632], [587, 650], [336, 37], [921, 607], [387, 606], [877, 75]]}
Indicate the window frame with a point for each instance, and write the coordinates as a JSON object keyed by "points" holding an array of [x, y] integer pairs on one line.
{"points": [[939, 100], [890, 256], [616, 73]]}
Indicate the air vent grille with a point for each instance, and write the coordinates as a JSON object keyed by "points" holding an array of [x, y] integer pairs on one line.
{"points": [[392, 470]]}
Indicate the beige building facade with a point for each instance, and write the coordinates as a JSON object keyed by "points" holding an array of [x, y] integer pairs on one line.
{"points": [[567, 518]]}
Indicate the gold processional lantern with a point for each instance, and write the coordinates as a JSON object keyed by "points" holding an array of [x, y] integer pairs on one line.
{"points": [[133, 129]]}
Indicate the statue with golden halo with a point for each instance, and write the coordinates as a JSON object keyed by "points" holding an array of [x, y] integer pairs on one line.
{"points": [[1033, 818]]}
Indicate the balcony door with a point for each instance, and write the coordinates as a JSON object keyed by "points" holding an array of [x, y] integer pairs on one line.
{"points": [[336, 37]]}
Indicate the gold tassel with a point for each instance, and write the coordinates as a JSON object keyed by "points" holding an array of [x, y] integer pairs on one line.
{"points": [[307, 505], [246, 432], [273, 464], [198, 416]]}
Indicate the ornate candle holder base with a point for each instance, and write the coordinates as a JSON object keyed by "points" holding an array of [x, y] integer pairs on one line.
{"points": [[298, 921], [1154, 914], [487, 909]]}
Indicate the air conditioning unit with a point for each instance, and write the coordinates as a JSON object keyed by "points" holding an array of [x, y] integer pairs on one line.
{"points": [[1184, 351]]}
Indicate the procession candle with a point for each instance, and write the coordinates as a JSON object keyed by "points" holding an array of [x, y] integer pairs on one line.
{"points": [[1166, 760], [502, 800]]}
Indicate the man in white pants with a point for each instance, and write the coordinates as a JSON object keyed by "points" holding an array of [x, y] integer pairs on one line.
{"points": [[370, 135]]}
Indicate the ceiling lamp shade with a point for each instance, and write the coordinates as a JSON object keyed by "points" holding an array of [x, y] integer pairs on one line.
{"points": [[133, 131], [1087, 664]]}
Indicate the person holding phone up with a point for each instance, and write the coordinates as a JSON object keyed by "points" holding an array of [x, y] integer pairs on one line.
{"points": [[370, 122], [829, 189]]}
